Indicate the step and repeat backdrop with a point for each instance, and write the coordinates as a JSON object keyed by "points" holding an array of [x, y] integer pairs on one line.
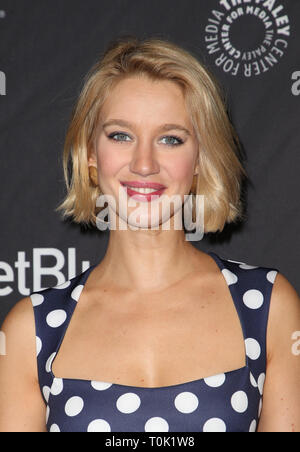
{"points": [[47, 47]]}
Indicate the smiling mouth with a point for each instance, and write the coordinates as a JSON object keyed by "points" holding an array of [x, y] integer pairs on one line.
{"points": [[145, 191], [142, 193]]}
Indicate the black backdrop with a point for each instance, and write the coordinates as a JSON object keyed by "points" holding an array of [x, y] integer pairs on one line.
{"points": [[47, 46]]}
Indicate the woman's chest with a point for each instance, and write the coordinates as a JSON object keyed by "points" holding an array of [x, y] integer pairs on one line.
{"points": [[153, 342]]}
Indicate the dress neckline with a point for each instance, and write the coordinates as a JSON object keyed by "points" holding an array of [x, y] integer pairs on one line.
{"points": [[82, 279]]}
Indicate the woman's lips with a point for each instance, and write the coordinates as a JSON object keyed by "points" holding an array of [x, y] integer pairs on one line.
{"points": [[143, 197]]}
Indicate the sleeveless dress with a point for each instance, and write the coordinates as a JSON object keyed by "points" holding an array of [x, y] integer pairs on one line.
{"points": [[227, 402]]}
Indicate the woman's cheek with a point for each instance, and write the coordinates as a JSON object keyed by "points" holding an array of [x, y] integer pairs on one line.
{"points": [[182, 171], [110, 161]]}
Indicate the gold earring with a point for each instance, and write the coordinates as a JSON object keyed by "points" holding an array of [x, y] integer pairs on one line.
{"points": [[194, 192], [194, 184], [93, 173]]}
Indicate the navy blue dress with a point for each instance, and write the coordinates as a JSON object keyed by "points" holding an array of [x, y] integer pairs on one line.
{"points": [[227, 402]]}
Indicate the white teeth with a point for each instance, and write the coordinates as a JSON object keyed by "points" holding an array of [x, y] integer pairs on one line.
{"points": [[143, 190]]}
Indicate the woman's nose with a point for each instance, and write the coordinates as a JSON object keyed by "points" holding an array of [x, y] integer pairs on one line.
{"points": [[144, 161]]}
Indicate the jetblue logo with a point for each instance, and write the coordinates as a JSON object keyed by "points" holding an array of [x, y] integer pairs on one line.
{"points": [[16, 275]]}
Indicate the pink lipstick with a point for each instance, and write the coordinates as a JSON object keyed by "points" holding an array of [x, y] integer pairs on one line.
{"points": [[143, 191]]}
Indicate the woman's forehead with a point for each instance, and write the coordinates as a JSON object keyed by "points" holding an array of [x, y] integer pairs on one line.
{"points": [[136, 99]]}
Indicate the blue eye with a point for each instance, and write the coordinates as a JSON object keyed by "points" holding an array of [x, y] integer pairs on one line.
{"points": [[173, 137], [173, 140], [114, 134]]}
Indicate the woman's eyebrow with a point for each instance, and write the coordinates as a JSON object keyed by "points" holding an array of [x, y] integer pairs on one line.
{"points": [[164, 127]]}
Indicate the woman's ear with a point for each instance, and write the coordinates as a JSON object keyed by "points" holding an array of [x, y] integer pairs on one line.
{"points": [[93, 173], [92, 157], [197, 168]]}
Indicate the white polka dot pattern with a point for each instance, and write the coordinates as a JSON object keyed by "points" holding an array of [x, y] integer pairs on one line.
{"points": [[271, 275], [261, 382], [252, 380], [57, 386], [77, 292], [46, 392], [54, 428], [74, 406], [253, 298], [239, 401], [230, 277], [47, 413], [49, 362], [98, 425], [100, 385], [216, 381], [253, 348], [186, 402], [156, 424], [214, 425], [128, 402], [226, 402], [37, 299], [38, 345], [56, 318], [252, 428]]}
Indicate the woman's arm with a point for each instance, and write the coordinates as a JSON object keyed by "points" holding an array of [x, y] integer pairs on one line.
{"points": [[22, 408], [281, 397]]}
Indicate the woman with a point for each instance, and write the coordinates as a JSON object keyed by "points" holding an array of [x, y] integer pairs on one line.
{"points": [[158, 336]]}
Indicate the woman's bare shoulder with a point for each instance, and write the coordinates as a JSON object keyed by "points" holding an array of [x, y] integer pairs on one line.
{"points": [[20, 395], [18, 329], [281, 399], [284, 315], [20, 314]]}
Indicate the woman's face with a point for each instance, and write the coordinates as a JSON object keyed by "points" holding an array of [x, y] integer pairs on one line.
{"points": [[145, 135]]}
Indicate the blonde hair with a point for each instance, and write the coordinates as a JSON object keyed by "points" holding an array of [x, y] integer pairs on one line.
{"points": [[220, 170]]}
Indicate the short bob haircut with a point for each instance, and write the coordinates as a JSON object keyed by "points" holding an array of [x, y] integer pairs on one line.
{"points": [[220, 170]]}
